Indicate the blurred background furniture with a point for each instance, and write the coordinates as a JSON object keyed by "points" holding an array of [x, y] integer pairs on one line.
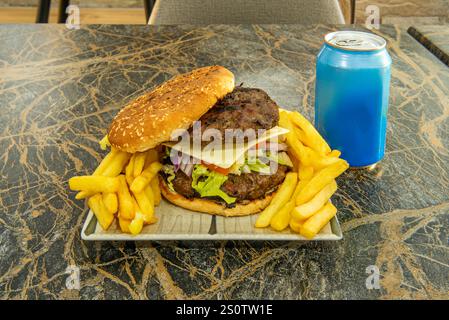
{"points": [[246, 12], [43, 10], [401, 12]]}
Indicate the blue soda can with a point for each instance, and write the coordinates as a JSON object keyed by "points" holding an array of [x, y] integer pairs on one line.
{"points": [[351, 95]]}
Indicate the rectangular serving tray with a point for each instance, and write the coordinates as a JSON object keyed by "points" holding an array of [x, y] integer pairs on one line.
{"points": [[176, 223]]}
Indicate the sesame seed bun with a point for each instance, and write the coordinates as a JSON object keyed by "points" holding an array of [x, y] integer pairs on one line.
{"points": [[211, 207], [150, 119]]}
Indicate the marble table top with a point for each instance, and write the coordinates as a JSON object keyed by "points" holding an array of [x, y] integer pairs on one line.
{"points": [[60, 88], [435, 38]]}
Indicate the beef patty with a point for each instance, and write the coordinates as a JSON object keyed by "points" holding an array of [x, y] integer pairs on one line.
{"points": [[247, 186], [243, 108]]}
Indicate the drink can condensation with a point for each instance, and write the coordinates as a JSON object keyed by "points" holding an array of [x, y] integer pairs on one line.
{"points": [[353, 73]]}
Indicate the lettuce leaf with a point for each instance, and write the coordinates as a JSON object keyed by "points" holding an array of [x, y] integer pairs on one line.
{"points": [[210, 183], [169, 170], [257, 165], [281, 158]]}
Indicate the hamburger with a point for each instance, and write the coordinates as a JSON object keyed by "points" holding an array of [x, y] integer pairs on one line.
{"points": [[241, 184]]}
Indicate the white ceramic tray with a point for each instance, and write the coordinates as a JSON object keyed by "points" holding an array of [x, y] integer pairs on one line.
{"points": [[179, 224]]}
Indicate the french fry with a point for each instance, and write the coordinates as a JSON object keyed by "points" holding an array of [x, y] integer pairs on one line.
{"points": [[116, 166], [320, 162], [301, 152], [301, 135], [156, 190], [146, 205], [280, 199], [281, 219], [129, 170], [149, 193], [94, 183], [104, 143], [306, 210], [104, 217], [144, 179], [296, 225], [305, 173], [139, 163], [315, 223], [296, 147], [126, 202], [124, 224], [112, 169], [299, 186], [320, 180], [151, 157], [136, 225], [311, 135], [106, 162], [153, 220], [110, 201], [295, 161], [335, 153]]}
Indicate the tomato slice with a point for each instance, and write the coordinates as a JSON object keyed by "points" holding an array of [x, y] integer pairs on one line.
{"points": [[215, 168]]}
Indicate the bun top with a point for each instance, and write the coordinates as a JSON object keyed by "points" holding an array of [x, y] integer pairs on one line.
{"points": [[150, 119]]}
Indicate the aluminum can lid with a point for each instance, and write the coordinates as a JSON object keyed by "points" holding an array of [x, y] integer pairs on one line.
{"points": [[355, 41]]}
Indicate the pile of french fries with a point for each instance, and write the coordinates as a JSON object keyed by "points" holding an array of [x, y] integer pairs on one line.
{"points": [[303, 200], [125, 186]]}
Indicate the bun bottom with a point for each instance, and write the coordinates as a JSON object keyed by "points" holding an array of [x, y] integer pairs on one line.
{"points": [[211, 207]]}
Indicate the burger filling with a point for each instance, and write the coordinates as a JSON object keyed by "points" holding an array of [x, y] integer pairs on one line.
{"points": [[249, 179]]}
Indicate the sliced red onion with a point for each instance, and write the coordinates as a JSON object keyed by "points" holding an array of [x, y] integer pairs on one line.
{"points": [[186, 165], [176, 160]]}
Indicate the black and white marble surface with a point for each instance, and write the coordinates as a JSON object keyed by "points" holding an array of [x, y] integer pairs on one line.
{"points": [[60, 88]]}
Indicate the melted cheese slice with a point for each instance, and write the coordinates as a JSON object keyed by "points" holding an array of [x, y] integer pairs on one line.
{"points": [[215, 154]]}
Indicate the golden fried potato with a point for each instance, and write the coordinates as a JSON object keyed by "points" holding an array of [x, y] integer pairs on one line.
{"points": [[97, 206], [335, 153], [94, 183], [315, 223], [296, 225], [139, 163], [104, 143], [320, 162], [282, 196], [124, 224], [111, 202], [129, 170], [145, 177], [136, 225], [146, 206], [311, 135], [281, 218], [126, 202], [295, 146], [320, 180], [305, 173], [115, 167], [106, 162], [306, 210], [111, 168]]}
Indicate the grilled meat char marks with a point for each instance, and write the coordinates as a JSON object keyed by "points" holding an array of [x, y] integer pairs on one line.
{"points": [[247, 186], [243, 108]]}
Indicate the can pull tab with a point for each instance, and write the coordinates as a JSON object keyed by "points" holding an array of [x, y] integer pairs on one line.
{"points": [[349, 42]]}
